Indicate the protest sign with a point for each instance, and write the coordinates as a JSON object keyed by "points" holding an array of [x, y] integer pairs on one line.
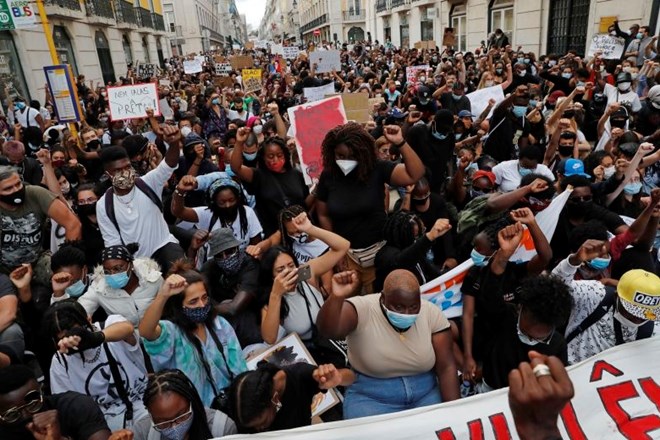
{"points": [[223, 81], [448, 37], [192, 66], [290, 52], [222, 69], [261, 44], [611, 47], [373, 102], [129, 102], [479, 98], [412, 72], [356, 106], [164, 82], [276, 49], [317, 93], [146, 70], [165, 108], [430, 45], [310, 123], [64, 93], [290, 350], [251, 79], [616, 397], [249, 45], [241, 62], [418, 45], [325, 60]]}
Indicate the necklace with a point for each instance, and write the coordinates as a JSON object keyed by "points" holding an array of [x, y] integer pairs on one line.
{"points": [[128, 204]]}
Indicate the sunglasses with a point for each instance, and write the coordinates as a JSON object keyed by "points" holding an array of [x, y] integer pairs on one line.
{"points": [[34, 402]]}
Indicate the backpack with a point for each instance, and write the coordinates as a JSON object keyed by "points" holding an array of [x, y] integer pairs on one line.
{"points": [[110, 202], [473, 217]]}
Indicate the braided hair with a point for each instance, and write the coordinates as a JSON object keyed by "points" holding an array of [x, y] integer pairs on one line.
{"points": [[492, 229], [399, 229], [175, 381], [251, 393], [234, 187], [62, 316], [358, 140], [286, 215]]}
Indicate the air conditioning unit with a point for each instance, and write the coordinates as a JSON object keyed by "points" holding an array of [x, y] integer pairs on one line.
{"points": [[431, 13]]}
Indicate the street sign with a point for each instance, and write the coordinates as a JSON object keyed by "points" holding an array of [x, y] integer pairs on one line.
{"points": [[16, 14], [64, 94]]}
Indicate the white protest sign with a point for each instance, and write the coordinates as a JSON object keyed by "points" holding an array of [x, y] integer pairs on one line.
{"points": [[479, 98], [290, 52], [192, 66], [616, 397], [223, 69], [164, 82], [276, 49], [129, 102], [317, 93], [412, 72], [165, 108], [611, 47], [261, 44], [325, 60]]}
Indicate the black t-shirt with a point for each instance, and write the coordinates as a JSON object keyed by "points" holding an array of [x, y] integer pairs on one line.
{"points": [[297, 398], [443, 247], [648, 119], [357, 209], [93, 242], [79, 417], [434, 153], [504, 127], [449, 103], [275, 191], [506, 351]]}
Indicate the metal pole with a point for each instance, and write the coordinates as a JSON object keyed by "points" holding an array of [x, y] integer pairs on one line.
{"points": [[49, 36]]}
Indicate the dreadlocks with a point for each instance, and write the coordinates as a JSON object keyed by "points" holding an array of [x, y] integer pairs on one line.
{"points": [[284, 216], [358, 140], [399, 229], [174, 381]]}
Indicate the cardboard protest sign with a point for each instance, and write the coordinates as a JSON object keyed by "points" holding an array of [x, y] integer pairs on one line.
{"points": [[373, 102], [251, 79], [479, 98], [223, 81], [611, 47], [418, 45], [317, 93], [192, 66], [290, 52], [249, 45], [240, 62], [448, 37], [356, 106], [222, 69], [413, 71], [616, 397], [325, 60], [310, 123], [129, 102]]}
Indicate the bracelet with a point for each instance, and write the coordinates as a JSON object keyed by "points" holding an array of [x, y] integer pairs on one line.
{"points": [[401, 144], [179, 193]]}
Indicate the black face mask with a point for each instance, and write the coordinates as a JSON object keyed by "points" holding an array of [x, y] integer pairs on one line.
{"points": [[17, 198], [565, 150], [226, 214], [93, 145], [569, 114], [618, 123], [577, 209], [419, 202], [87, 210]]}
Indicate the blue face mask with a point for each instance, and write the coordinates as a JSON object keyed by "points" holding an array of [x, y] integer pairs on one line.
{"points": [[437, 135], [533, 102], [519, 110], [566, 75], [178, 431], [478, 259], [250, 156], [580, 84], [20, 105], [400, 320], [117, 280], [76, 289], [632, 188], [197, 314], [456, 97], [639, 35], [524, 171], [599, 263], [216, 101]]}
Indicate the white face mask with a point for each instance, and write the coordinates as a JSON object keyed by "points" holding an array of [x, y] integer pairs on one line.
{"points": [[185, 131], [489, 83], [625, 321], [623, 86], [257, 129], [346, 166], [609, 171]]}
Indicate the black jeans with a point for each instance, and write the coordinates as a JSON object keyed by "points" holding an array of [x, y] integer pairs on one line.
{"points": [[167, 255]]}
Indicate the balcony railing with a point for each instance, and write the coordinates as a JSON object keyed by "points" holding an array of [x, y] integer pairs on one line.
{"points": [[158, 22], [381, 5], [354, 15], [144, 18], [314, 23], [99, 8], [397, 3], [125, 12], [66, 4]]}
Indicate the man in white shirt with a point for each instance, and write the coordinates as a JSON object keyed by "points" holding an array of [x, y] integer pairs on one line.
{"points": [[137, 206], [26, 115], [623, 92], [239, 111], [509, 172]]}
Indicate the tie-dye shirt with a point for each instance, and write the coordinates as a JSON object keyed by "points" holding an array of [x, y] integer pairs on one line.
{"points": [[172, 349]]}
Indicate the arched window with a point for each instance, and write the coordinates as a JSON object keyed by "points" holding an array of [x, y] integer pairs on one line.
{"points": [[145, 50], [64, 47], [159, 50], [128, 53], [105, 59]]}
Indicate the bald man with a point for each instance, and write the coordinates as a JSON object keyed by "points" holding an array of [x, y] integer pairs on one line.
{"points": [[399, 346]]}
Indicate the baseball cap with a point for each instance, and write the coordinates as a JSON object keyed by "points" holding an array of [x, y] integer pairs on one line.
{"points": [[221, 240], [483, 173], [552, 99], [193, 139], [639, 292], [574, 167], [465, 114]]}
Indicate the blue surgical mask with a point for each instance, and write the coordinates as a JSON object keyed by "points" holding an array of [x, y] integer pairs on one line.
{"points": [[599, 263], [20, 105], [400, 320], [438, 136], [250, 156], [197, 314], [632, 188], [478, 259], [519, 110], [458, 135], [117, 280], [178, 431], [533, 102], [639, 35], [566, 75], [76, 289], [216, 101], [580, 84], [456, 97], [524, 171]]}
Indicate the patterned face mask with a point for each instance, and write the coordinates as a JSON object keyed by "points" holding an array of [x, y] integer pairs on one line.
{"points": [[231, 264], [197, 314], [125, 179]]}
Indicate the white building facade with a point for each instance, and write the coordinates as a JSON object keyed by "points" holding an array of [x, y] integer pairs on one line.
{"points": [[541, 26], [334, 20], [280, 21]]}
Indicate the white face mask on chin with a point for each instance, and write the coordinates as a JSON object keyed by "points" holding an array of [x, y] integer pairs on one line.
{"points": [[346, 166], [625, 321]]}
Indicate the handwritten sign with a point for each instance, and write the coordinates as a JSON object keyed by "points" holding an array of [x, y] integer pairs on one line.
{"points": [[223, 81], [130, 102], [192, 66], [164, 82], [611, 47], [240, 62], [146, 70], [290, 52], [251, 79], [317, 93], [310, 123], [222, 69], [326, 60], [413, 71], [479, 98]]}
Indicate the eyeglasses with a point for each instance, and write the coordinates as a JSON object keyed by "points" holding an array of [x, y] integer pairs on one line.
{"points": [[175, 421], [116, 269], [529, 340], [35, 401]]}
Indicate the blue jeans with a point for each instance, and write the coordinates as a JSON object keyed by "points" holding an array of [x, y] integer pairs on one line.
{"points": [[370, 396]]}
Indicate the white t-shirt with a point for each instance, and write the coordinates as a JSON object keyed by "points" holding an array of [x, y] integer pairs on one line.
{"points": [[507, 175], [306, 251], [614, 95], [298, 319], [253, 225], [139, 219], [27, 117], [233, 114], [93, 376]]}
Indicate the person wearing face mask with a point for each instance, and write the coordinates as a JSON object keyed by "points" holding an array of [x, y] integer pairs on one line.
{"points": [[623, 92], [521, 77], [70, 273], [291, 303], [214, 118], [628, 202], [28, 168], [196, 161], [509, 130], [455, 100], [193, 338], [399, 346], [85, 354], [25, 115], [509, 173], [238, 111], [605, 316]]}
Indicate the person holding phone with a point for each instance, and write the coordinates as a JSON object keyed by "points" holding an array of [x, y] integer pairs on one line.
{"points": [[295, 298]]}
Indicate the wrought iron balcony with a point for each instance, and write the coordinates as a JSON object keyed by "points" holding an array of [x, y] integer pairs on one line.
{"points": [[158, 22], [125, 12], [99, 8], [144, 18], [352, 15], [314, 23], [66, 4], [381, 5], [397, 3]]}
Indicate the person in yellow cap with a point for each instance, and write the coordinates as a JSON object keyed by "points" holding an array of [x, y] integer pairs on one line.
{"points": [[605, 316]]}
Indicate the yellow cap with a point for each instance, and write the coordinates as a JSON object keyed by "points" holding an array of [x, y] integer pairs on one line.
{"points": [[639, 292]]}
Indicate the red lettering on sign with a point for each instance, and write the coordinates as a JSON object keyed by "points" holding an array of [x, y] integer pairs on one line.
{"points": [[446, 434], [571, 423], [500, 426], [476, 429], [633, 428], [601, 366], [652, 390]]}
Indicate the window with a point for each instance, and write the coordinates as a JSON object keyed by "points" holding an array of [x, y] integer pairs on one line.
{"points": [[105, 59], [501, 17], [145, 50], [426, 25], [64, 47], [12, 78], [459, 23], [404, 30], [568, 25], [126, 44]]}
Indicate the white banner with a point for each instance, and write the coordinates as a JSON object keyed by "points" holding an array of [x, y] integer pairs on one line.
{"points": [[611, 47], [479, 98], [318, 93], [617, 396], [192, 66], [130, 102], [325, 60], [290, 52]]}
